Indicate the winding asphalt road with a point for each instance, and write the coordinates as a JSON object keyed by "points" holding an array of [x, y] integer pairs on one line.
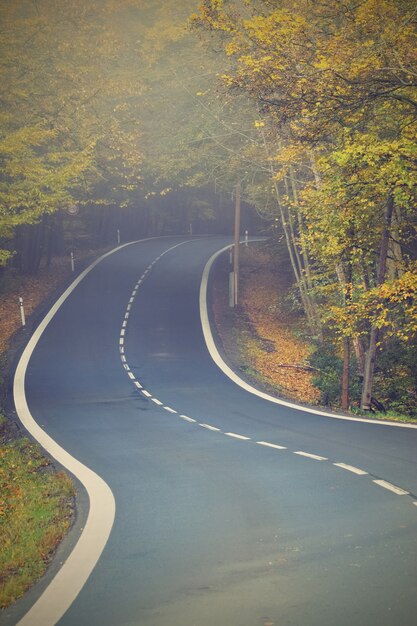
{"points": [[230, 509]]}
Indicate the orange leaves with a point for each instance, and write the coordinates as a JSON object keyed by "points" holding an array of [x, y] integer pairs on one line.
{"points": [[275, 352], [261, 336]]}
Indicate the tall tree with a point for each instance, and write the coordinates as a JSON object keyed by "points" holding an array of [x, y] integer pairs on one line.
{"points": [[338, 84]]}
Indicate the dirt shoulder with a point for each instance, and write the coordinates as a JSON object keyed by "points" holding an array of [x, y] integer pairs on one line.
{"points": [[260, 338]]}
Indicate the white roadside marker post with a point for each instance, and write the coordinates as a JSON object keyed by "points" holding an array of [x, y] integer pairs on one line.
{"points": [[22, 312], [72, 261]]}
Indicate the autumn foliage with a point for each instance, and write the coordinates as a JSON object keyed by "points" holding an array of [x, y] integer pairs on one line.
{"points": [[336, 89]]}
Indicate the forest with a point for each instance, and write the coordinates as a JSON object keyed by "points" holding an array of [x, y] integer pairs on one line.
{"points": [[128, 118]]}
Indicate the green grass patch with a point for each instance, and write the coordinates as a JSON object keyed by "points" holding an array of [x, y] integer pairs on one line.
{"points": [[392, 416], [36, 510]]}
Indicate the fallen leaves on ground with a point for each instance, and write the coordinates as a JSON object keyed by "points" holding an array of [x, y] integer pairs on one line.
{"points": [[261, 336], [33, 290], [275, 351]]}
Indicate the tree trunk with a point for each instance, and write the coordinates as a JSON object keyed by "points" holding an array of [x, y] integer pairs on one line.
{"points": [[374, 335], [345, 279], [345, 377]]}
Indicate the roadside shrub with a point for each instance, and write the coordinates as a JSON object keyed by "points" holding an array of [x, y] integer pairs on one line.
{"points": [[328, 378], [395, 382]]}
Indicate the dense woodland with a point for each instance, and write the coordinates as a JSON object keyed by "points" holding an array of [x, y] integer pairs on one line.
{"points": [[130, 118]]}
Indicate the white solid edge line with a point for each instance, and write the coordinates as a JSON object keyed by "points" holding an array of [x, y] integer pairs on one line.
{"points": [[68, 582], [214, 353]]}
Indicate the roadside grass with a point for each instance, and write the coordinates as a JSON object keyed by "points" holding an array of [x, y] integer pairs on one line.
{"points": [[36, 511], [391, 416]]}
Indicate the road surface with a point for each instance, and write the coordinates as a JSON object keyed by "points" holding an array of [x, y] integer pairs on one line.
{"points": [[230, 509]]}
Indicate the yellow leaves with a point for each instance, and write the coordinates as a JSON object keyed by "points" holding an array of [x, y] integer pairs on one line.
{"points": [[392, 306]]}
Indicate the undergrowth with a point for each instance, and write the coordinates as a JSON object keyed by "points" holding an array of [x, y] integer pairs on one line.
{"points": [[36, 510]]}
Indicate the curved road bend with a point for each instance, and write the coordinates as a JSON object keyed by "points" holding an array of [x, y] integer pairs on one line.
{"points": [[229, 509]]}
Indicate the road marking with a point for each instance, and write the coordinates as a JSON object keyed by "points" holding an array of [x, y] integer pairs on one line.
{"points": [[158, 402], [131, 375], [121, 341], [316, 457], [391, 487], [351, 468], [168, 408], [188, 419], [122, 350], [72, 576], [210, 427], [271, 445], [146, 393], [131, 300], [124, 323], [415, 503], [122, 332], [126, 316], [138, 385], [127, 368], [215, 355], [236, 436], [129, 306]]}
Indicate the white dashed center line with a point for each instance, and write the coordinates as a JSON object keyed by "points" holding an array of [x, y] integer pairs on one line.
{"points": [[391, 487], [266, 444], [351, 468], [316, 457], [271, 445], [188, 419], [236, 436], [208, 427]]}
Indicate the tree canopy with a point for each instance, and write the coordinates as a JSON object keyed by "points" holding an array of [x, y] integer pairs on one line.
{"points": [[336, 86], [120, 105]]}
